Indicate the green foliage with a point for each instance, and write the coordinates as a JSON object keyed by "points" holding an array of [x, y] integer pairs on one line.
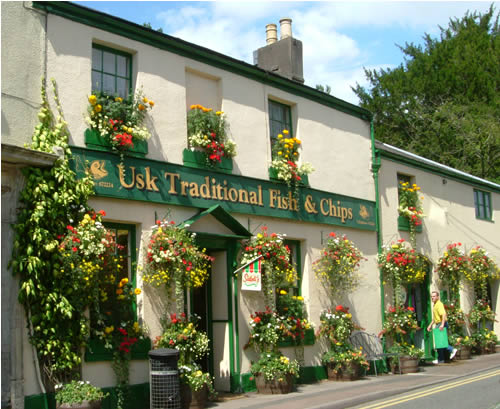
{"points": [[51, 199], [336, 326], [443, 102], [77, 392], [340, 357], [274, 365], [193, 376], [324, 88]]}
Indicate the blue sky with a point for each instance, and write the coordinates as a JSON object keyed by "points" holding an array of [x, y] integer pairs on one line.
{"points": [[339, 38]]}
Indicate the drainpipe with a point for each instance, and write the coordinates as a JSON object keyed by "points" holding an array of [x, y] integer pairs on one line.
{"points": [[375, 168]]}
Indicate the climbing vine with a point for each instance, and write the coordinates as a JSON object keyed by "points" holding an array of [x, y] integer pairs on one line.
{"points": [[51, 199]]}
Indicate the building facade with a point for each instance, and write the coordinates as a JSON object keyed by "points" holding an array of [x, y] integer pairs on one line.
{"points": [[352, 191]]}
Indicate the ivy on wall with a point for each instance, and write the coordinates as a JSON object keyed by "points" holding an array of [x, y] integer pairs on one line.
{"points": [[51, 199]]}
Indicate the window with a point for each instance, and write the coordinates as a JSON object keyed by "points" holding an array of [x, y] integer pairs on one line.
{"points": [[280, 118], [111, 71], [482, 203]]}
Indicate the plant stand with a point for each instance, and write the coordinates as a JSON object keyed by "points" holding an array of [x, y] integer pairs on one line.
{"points": [[193, 399], [95, 404], [274, 386]]}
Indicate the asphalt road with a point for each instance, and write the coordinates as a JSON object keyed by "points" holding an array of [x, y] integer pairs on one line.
{"points": [[481, 391]]}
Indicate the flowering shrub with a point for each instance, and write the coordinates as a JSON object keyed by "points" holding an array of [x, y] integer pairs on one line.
{"points": [[484, 338], [208, 130], [276, 265], [266, 329], [452, 266], [405, 349], [459, 340], [77, 392], [285, 158], [337, 325], [119, 120], [291, 310], [339, 358], [455, 318], [182, 334], [193, 376], [399, 322], [410, 207], [482, 269], [481, 312], [274, 365], [338, 264]]}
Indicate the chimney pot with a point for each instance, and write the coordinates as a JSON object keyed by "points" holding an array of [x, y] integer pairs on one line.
{"points": [[271, 34], [285, 28]]}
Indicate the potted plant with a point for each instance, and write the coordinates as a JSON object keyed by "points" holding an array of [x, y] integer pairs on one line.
{"points": [[409, 357], [79, 395], [463, 344], [196, 386], [344, 363], [208, 134], [274, 373]]}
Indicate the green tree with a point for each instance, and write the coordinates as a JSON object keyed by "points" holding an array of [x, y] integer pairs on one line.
{"points": [[443, 102]]}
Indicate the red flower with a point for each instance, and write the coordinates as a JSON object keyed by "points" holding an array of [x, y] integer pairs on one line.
{"points": [[339, 308], [122, 331], [74, 249], [102, 213], [256, 320], [411, 309]]}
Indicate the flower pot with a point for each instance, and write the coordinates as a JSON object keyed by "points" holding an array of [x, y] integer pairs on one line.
{"points": [[347, 372], [95, 404], [408, 364], [193, 399], [274, 386], [463, 352]]}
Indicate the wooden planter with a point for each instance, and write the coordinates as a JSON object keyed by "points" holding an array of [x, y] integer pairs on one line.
{"points": [[193, 399], [95, 141], [95, 404], [348, 372], [274, 386], [408, 365], [463, 352]]}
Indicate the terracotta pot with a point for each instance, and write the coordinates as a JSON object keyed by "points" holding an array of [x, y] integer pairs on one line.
{"points": [[95, 404], [275, 386], [408, 364], [463, 352], [347, 372], [193, 399]]}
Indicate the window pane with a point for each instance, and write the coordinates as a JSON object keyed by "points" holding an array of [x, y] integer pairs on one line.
{"points": [[96, 81], [487, 207], [121, 87], [108, 85], [121, 65], [96, 59], [109, 62]]}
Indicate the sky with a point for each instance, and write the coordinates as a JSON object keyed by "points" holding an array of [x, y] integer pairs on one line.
{"points": [[340, 39]]}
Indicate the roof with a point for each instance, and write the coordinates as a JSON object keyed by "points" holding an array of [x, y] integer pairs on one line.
{"points": [[175, 45], [411, 159], [18, 155]]}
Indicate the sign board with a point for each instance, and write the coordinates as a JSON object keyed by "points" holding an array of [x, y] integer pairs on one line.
{"points": [[251, 279]]}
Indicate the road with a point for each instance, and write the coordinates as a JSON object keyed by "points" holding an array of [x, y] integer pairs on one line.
{"points": [[481, 391]]}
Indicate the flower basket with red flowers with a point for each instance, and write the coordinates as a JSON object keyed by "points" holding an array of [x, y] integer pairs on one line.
{"points": [[410, 207], [452, 267], [277, 267], [292, 313], [336, 325], [482, 269], [399, 323], [207, 130], [338, 265]]}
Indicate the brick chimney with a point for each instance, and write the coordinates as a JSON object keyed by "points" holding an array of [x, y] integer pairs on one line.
{"points": [[283, 57]]}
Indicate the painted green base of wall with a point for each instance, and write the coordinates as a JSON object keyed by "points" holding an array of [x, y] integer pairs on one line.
{"points": [[136, 398], [404, 225]]}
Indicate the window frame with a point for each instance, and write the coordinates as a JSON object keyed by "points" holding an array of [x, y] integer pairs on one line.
{"points": [[482, 205], [115, 74], [287, 113]]}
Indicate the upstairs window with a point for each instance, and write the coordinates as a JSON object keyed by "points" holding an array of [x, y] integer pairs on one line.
{"points": [[482, 203], [111, 71], [280, 118]]}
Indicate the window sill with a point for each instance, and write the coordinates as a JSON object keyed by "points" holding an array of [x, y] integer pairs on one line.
{"points": [[485, 220], [96, 352], [404, 225], [95, 141], [273, 175], [309, 339], [198, 160]]}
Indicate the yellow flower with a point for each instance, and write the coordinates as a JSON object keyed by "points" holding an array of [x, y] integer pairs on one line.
{"points": [[118, 99], [300, 298], [283, 292], [108, 330], [145, 100], [219, 113], [98, 108], [280, 136], [280, 153], [119, 291], [137, 291], [92, 99], [151, 103], [193, 107], [141, 107], [137, 327], [285, 131]]}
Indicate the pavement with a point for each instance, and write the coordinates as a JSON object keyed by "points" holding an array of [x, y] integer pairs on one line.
{"points": [[338, 395]]}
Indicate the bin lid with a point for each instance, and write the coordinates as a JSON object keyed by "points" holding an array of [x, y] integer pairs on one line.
{"points": [[163, 353]]}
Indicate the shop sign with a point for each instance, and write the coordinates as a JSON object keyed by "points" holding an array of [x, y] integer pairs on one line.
{"points": [[167, 183], [251, 279]]}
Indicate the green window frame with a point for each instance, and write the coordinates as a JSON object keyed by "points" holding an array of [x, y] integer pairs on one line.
{"points": [[280, 118], [111, 71], [482, 204]]}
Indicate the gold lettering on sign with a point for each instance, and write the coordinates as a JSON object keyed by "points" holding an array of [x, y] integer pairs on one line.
{"points": [[172, 177], [151, 181], [193, 190], [309, 205], [233, 195], [121, 173], [205, 189], [139, 181]]}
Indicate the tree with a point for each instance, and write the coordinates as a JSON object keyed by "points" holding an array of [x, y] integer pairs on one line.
{"points": [[148, 25], [444, 101], [325, 88]]}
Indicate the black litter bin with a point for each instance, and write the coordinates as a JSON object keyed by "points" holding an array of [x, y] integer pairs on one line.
{"points": [[164, 379]]}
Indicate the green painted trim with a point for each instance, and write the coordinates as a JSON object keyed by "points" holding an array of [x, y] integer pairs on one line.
{"points": [[437, 171], [137, 398], [312, 374], [199, 160], [247, 382], [161, 41], [225, 218], [404, 225], [95, 351], [93, 140]]}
